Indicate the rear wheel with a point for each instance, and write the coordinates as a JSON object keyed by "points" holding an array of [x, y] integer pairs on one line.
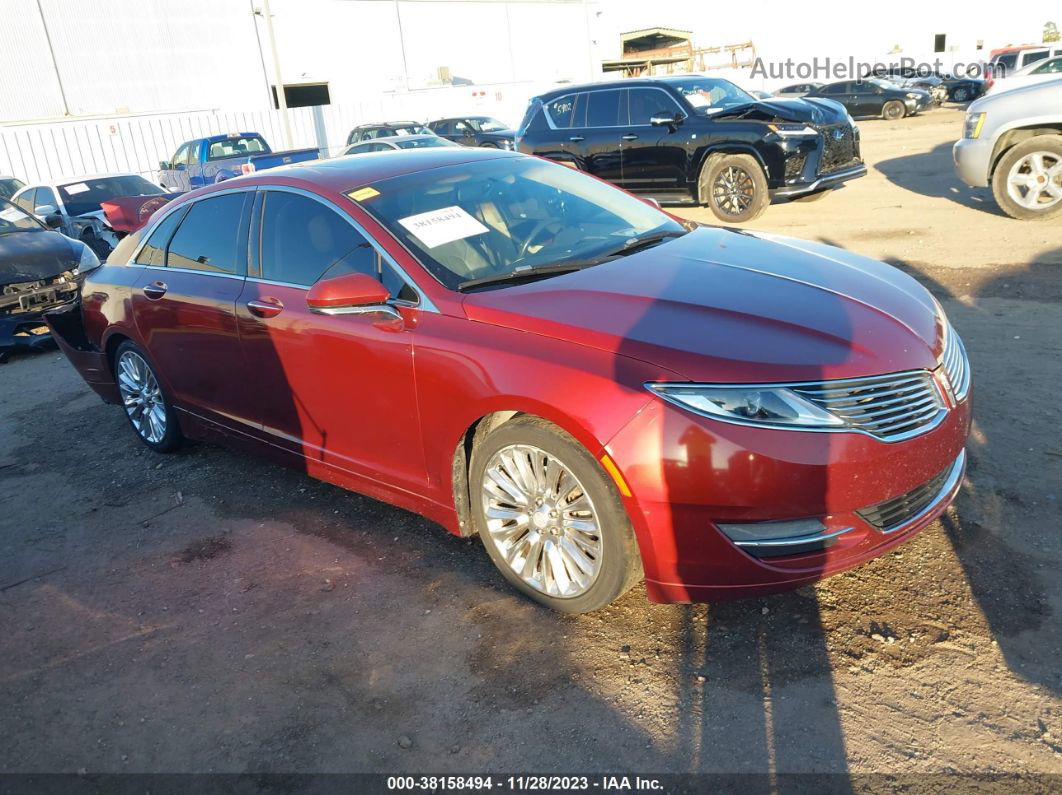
{"points": [[961, 94], [734, 187], [1027, 182], [146, 406], [894, 110], [549, 517]]}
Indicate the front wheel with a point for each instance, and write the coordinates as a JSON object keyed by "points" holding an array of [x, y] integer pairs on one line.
{"points": [[894, 110], [735, 188], [1027, 182], [549, 517], [961, 94], [146, 406]]}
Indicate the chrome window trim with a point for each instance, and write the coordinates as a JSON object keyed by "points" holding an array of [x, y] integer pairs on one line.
{"points": [[167, 269], [173, 207], [932, 425], [549, 119]]}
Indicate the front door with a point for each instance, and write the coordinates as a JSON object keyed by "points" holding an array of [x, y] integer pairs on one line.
{"points": [[184, 306], [654, 157], [337, 390]]}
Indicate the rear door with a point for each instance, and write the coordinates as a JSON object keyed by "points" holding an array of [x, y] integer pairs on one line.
{"points": [[336, 390], [184, 306], [557, 130], [606, 120], [654, 158]]}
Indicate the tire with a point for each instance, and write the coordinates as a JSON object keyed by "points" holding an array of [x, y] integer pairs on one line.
{"points": [[608, 554], [961, 94], [1020, 163], [488, 146], [136, 379], [808, 198], [894, 110], [734, 187]]}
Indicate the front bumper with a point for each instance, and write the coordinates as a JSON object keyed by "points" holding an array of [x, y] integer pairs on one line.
{"points": [[690, 474], [824, 182], [973, 161]]}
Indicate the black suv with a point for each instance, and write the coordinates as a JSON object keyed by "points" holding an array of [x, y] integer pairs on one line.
{"points": [[385, 129], [475, 131], [696, 140]]}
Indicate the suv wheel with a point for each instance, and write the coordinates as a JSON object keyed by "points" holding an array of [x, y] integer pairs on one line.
{"points": [[734, 187], [1027, 182], [894, 110], [549, 517]]}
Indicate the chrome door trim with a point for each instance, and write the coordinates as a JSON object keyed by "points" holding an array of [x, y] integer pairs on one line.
{"points": [[167, 269]]}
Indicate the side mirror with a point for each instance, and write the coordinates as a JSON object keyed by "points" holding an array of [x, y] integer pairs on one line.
{"points": [[350, 294], [44, 210], [666, 119], [165, 165], [53, 221]]}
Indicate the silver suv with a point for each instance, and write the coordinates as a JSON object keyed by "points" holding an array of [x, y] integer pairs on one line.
{"points": [[1012, 141]]}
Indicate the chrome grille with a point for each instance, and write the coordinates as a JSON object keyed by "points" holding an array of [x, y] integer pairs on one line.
{"points": [[890, 407], [956, 365]]}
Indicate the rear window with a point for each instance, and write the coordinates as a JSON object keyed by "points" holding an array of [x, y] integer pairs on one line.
{"points": [[85, 196], [237, 146], [8, 187]]}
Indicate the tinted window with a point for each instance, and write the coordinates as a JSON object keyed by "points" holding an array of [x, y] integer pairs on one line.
{"points": [[836, 88], [562, 110], [1008, 61], [154, 251], [85, 196], [443, 127], [1033, 57], [606, 109], [648, 102], [207, 239], [303, 239]]}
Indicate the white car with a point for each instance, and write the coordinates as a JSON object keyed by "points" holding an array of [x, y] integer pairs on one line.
{"points": [[77, 203], [393, 143], [1036, 72], [9, 186]]}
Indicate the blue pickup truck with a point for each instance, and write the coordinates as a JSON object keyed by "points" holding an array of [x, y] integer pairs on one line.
{"points": [[206, 161]]}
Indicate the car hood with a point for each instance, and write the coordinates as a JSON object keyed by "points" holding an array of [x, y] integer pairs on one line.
{"points": [[33, 256], [808, 110], [733, 307]]}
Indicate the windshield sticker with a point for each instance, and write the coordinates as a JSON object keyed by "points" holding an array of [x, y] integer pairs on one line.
{"points": [[438, 227], [11, 214], [699, 100], [361, 194], [77, 187]]}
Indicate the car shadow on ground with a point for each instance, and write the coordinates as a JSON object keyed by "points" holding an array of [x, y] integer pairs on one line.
{"points": [[933, 174], [998, 520]]}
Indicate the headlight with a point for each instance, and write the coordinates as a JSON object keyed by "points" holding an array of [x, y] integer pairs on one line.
{"points": [[975, 122], [912, 95], [88, 262], [787, 130], [773, 407]]}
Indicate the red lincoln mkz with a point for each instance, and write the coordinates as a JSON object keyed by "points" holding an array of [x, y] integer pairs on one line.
{"points": [[517, 350]]}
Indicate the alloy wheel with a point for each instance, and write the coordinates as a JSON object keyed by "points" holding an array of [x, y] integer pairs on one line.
{"points": [[1035, 181], [142, 397], [542, 521], [961, 95], [733, 190]]}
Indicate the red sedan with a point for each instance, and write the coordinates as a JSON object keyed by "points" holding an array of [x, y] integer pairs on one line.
{"points": [[517, 350]]}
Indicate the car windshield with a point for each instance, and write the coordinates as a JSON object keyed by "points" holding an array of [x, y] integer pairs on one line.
{"points": [[486, 125], [410, 129], [85, 196], [9, 186], [710, 94], [13, 219], [420, 143], [489, 219]]}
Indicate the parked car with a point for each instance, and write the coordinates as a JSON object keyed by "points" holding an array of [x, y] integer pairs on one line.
{"points": [[386, 129], [931, 84], [874, 97], [397, 142], [517, 350], [216, 158], [693, 139], [1012, 142], [475, 131], [1008, 60], [9, 186], [797, 90], [40, 269], [943, 85], [77, 203], [1036, 72]]}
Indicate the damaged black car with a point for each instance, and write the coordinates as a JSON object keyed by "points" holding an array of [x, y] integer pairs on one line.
{"points": [[40, 269], [689, 139]]}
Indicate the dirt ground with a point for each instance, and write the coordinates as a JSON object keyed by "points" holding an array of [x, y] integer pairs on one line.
{"points": [[208, 612]]}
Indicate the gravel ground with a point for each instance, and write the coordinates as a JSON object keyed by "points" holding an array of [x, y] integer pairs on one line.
{"points": [[210, 612]]}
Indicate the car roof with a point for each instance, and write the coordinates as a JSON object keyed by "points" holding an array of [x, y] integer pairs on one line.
{"points": [[388, 124]]}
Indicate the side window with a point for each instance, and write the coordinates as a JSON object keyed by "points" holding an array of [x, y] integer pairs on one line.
{"points": [[1051, 67], [25, 201], [380, 148], [836, 88], [648, 102], [207, 238], [606, 109], [360, 149], [1033, 57], [45, 196], [562, 111], [154, 251], [180, 157]]}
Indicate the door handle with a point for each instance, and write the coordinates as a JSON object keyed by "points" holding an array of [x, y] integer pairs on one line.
{"points": [[630, 137], [577, 138], [155, 290], [267, 307]]}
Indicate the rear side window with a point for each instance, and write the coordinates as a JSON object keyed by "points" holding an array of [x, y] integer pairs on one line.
{"points": [[606, 109], [568, 111], [207, 239], [1033, 57], [154, 251]]}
